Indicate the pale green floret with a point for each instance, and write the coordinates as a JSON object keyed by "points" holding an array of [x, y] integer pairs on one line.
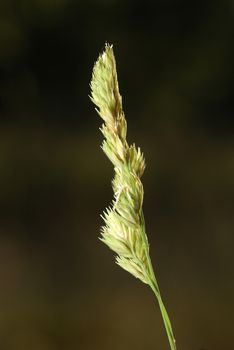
{"points": [[117, 245], [113, 157], [117, 229], [132, 267], [136, 160]]}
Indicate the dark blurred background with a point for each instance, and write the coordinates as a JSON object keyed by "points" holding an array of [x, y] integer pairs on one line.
{"points": [[60, 288]]}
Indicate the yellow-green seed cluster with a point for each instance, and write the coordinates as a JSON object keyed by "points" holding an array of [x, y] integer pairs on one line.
{"points": [[123, 231]]}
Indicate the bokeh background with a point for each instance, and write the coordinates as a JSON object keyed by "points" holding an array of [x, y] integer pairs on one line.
{"points": [[60, 288]]}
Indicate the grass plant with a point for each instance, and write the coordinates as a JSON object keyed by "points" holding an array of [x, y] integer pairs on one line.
{"points": [[124, 230]]}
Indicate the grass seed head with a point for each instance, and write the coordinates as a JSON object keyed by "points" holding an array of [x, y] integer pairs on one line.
{"points": [[123, 231]]}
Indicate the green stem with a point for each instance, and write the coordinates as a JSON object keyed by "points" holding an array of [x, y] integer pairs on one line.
{"points": [[165, 317], [155, 288]]}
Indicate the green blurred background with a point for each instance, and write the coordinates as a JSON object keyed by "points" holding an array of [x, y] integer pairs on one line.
{"points": [[60, 288]]}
